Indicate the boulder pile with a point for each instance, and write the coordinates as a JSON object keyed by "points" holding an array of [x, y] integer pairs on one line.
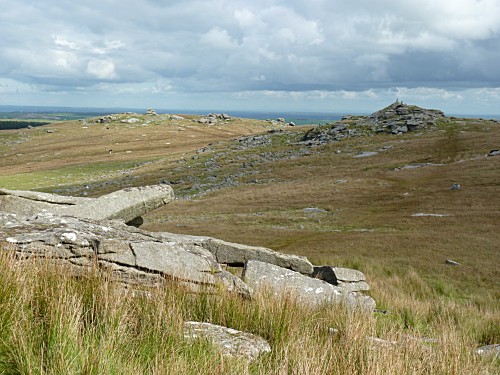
{"points": [[214, 118], [397, 118]]}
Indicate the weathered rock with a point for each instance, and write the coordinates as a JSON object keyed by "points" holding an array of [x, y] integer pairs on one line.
{"points": [[126, 204], [132, 255], [495, 152], [21, 206], [237, 254], [230, 342], [452, 262], [334, 275], [397, 118], [359, 286], [282, 282], [44, 197]]}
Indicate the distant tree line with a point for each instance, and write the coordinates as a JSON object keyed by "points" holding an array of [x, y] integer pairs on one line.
{"points": [[16, 124]]}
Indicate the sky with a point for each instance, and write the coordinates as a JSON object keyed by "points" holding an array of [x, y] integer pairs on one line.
{"points": [[261, 55]]}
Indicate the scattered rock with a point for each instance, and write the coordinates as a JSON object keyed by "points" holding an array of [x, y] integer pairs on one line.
{"points": [[151, 112], [254, 141], [452, 262], [230, 342], [418, 165], [283, 282], [456, 187], [214, 118]]}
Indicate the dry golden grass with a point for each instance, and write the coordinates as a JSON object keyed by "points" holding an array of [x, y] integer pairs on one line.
{"points": [[82, 148], [53, 323]]}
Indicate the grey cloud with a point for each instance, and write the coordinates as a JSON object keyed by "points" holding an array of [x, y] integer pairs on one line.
{"points": [[232, 46]]}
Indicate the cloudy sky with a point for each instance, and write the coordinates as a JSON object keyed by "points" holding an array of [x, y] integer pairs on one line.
{"points": [[264, 55]]}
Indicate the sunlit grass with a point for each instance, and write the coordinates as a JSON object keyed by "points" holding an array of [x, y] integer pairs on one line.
{"points": [[52, 322]]}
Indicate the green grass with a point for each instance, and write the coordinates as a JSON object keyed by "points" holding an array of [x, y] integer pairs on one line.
{"points": [[54, 323], [66, 176]]}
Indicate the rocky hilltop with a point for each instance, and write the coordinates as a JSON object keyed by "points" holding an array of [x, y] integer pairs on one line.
{"points": [[397, 118]]}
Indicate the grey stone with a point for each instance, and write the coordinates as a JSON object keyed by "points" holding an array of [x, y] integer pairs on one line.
{"points": [[126, 204], [22, 206], [452, 262], [396, 118], [495, 152], [489, 350], [176, 117], [366, 154], [171, 259], [132, 255], [44, 197], [238, 254], [359, 286], [334, 275], [230, 342], [282, 282]]}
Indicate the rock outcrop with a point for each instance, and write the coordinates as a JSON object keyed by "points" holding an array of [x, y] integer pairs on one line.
{"points": [[127, 204], [402, 118], [284, 282], [396, 118], [81, 233], [214, 118]]}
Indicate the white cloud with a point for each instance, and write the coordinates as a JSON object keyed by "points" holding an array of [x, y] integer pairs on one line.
{"points": [[102, 69], [218, 38]]}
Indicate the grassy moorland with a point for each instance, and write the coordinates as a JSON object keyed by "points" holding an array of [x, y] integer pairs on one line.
{"points": [[256, 194]]}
